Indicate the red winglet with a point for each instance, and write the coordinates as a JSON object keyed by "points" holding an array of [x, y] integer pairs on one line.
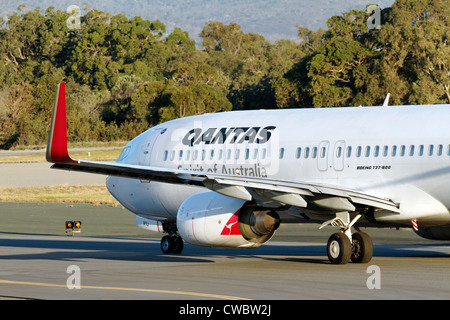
{"points": [[57, 140]]}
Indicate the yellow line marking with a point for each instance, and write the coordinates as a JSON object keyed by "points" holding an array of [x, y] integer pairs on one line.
{"points": [[206, 295]]}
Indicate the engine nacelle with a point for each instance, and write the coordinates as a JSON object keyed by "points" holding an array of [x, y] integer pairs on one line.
{"points": [[435, 233], [214, 220]]}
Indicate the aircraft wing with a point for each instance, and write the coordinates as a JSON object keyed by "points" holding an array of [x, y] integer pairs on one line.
{"points": [[266, 192]]}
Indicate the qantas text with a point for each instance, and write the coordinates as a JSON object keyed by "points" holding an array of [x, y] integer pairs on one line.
{"points": [[228, 135]]}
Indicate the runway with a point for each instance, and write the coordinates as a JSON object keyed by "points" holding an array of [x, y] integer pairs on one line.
{"points": [[39, 174], [38, 267], [116, 260]]}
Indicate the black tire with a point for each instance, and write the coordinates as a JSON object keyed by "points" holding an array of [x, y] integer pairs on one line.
{"points": [[177, 245], [167, 245], [362, 247], [339, 248]]}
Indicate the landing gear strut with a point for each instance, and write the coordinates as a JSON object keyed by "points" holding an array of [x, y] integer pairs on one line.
{"points": [[343, 246]]}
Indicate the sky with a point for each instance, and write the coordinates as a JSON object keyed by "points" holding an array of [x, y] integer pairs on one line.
{"points": [[274, 19]]}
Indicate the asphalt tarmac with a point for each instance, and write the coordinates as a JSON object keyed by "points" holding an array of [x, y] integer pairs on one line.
{"points": [[38, 260], [39, 174], [113, 259]]}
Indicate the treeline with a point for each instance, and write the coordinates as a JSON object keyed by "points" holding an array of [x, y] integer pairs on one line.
{"points": [[124, 74]]}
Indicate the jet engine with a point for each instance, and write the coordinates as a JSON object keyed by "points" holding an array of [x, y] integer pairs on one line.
{"points": [[214, 220]]}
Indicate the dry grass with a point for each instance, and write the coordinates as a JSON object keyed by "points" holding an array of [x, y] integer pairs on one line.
{"points": [[89, 194], [95, 155]]}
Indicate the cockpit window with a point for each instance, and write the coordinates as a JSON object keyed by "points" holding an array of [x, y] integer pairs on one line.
{"points": [[124, 153]]}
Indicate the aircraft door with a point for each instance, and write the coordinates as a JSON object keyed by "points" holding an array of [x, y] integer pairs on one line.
{"points": [[147, 146], [322, 159], [338, 155]]}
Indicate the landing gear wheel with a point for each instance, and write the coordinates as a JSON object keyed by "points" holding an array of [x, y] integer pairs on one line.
{"points": [[166, 244], [362, 247], [178, 245], [339, 248], [172, 244]]}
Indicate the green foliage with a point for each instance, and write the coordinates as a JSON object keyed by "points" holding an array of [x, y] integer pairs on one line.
{"points": [[125, 75]]}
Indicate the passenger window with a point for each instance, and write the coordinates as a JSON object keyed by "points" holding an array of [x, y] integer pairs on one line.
{"points": [[411, 150], [172, 155], [367, 151], [299, 153], [195, 154], [349, 152], [264, 153], [247, 154], [421, 148], [440, 148], [229, 154], [314, 152], [376, 151], [180, 155], [430, 150], [203, 154], [385, 151], [306, 152], [211, 155], [323, 152], [255, 154], [281, 153], [402, 150], [188, 155], [358, 151], [237, 154], [220, 154], [394, 151], [338, 152], [166, 154]]}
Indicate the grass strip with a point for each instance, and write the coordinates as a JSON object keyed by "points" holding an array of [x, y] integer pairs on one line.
{"points": [[95, 155], [88, 194]]}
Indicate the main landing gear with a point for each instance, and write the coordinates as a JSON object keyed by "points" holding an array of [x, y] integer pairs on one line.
{"points": [[344, 246], [173, 243]]}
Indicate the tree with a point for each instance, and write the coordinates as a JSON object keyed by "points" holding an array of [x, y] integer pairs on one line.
{"points": [[415, 52], [340, 69]]}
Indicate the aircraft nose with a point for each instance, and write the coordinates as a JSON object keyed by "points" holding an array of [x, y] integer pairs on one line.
{"points": [[112, 186]]}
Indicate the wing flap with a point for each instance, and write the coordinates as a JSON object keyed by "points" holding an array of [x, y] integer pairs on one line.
{"points": [[331, 197]]}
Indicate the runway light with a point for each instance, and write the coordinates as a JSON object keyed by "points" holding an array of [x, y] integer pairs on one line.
{"points": [[72, 226]]}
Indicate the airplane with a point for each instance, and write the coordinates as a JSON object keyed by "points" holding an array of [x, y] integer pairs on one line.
{"points": [[230, 179]]}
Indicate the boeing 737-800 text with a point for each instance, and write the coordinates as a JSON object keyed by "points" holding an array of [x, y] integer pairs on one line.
{"points": [[229, 179]]}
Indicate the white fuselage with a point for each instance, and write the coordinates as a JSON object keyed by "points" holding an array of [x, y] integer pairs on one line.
{"points": [[401, 153]]}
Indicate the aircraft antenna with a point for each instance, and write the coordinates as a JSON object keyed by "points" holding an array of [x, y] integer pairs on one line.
{"points": [[386, 100]]}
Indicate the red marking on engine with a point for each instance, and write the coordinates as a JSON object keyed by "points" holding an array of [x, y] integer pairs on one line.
{"points": [[232, 227]]}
